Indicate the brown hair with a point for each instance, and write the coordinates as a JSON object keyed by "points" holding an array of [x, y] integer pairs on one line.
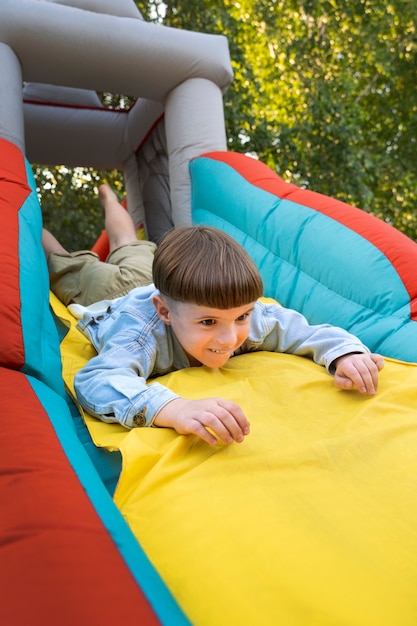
{"points": [[205, 266]]}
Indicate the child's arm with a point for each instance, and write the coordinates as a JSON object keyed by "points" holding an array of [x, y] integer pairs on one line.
{"points": [[278, 329], [223, 418], [110, 388], [358, 370]]}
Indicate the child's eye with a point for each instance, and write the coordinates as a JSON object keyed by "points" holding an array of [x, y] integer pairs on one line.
{"points": [[208, 322], [243, 318]]}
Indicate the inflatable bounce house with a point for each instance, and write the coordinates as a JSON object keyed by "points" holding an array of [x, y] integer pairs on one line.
{"points": [[312, 520]]}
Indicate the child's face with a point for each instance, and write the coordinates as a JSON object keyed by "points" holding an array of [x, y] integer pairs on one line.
{"points": [[208, 336]]}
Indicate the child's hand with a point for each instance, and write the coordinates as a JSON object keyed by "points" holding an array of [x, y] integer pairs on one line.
{"points": [[359, 370], [223, 417]]}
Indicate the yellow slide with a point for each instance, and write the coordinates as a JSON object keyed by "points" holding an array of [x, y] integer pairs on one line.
{"points": [[311, 521]]}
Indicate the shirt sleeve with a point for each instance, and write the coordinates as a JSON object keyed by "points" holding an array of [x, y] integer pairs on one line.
{"points": [[277, 329], [112, 386]]}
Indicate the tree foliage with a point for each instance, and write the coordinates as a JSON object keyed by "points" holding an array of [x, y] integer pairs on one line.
{"points": [[324, 93], [69, 201]]}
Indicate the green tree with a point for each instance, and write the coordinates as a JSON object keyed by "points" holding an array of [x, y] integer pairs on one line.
{"points": [[324, 94], [69, 202]]}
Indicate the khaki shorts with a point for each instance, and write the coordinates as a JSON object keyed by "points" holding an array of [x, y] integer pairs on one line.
{"points": [[82, 278]]}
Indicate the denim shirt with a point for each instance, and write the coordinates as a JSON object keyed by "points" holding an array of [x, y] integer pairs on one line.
{"points": [[134, 345]]}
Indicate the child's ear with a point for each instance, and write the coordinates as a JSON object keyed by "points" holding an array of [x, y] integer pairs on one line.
{"points": [[162, 309]]}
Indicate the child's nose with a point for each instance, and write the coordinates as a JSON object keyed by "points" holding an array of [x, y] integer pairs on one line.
{"points": [[227, 336]]}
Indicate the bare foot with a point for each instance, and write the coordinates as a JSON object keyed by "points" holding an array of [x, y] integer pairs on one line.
{"points": [[117, 221], [106, 194]]}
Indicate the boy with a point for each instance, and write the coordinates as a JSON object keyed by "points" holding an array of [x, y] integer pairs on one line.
{"points": [[82, 278], [202, 309]]}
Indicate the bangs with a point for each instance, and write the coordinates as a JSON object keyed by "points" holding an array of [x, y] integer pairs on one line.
{"points": [[205, 266], [233, 288]]}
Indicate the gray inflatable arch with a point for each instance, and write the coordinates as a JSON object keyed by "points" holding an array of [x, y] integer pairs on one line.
{"points": [[65, 51]]}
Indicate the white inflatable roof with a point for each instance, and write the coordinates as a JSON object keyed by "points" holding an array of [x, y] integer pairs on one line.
{"points": [[65, 51]]}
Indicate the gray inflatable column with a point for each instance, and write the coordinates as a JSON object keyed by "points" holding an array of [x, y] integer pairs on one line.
{"points": [[194, 122], [11, 108]]}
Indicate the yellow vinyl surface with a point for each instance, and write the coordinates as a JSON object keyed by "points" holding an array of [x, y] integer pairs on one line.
{"points": [[311, 521]]}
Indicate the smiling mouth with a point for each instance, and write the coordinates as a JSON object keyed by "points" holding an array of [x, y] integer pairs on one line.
{"points": [[219, 351]]}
